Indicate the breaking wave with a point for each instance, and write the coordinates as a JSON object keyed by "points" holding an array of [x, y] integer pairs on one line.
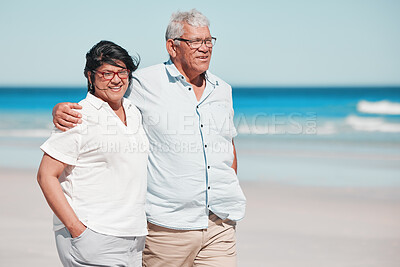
{"points": [[372, 124], [379, 107], [25, 133]]}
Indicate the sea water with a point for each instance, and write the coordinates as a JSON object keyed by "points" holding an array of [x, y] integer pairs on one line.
{"points": [[318, 136]]}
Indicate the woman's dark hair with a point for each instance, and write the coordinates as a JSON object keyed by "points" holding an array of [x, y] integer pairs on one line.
{"points": [[108, 52]]}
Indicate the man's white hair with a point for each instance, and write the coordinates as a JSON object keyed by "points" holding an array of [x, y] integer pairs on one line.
{"points": [[193, 18]]}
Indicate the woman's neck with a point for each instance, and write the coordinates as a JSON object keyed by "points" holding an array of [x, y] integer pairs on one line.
{"points": [[116, 105]]}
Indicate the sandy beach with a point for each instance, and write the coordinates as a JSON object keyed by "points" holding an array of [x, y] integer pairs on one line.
{"points": [[285, 225]]}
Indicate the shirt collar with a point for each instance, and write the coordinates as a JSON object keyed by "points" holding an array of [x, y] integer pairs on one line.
{"points": [[174, 72], [211, 79], [97, 102], [94, 100], [126, 103]]}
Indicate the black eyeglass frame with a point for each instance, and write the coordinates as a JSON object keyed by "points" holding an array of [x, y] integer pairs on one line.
{"points": [[213, 40]]}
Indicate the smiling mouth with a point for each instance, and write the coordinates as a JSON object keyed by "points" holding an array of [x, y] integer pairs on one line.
{"points": [[116, 88]]}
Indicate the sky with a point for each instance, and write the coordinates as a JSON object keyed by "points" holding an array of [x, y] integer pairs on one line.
{"points": [[259, 43]]}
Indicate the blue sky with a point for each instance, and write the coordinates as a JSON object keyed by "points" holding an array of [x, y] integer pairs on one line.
{"points": [[261, 43]]}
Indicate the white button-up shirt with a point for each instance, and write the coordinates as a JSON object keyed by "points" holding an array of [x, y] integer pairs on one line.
{"points": [[191, 150], [105, 180]]}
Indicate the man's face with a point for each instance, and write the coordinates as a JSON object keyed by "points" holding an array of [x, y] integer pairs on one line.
{"points": [[193, 62]]}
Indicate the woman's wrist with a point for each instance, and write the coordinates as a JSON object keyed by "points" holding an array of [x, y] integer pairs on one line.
{"points": [[76, 229]]}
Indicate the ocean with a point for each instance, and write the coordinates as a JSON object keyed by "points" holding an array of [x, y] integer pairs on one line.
{"points": [[320, 136]]}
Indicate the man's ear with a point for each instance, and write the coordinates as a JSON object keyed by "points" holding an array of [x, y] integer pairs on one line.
{"points": [[171, 48]]}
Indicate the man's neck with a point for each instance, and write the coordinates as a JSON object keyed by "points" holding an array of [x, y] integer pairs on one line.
{"points": [[199, 89], [197, 80]]}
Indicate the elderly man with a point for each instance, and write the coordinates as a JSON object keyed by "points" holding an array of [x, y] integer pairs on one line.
{"points": [[194, 198]]}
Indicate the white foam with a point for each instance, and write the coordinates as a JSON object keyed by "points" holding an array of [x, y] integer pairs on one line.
{"points": [[372, 124], [379, 107], [277, 129], [25, 133]]}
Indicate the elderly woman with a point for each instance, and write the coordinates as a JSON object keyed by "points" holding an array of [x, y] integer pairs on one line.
{"points": [[94, 175]]}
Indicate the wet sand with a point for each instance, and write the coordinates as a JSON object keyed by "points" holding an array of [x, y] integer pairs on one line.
{"points": [[285, 225]]}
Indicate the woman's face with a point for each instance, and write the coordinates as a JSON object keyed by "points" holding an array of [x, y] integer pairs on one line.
{"points": [[108, 84]]}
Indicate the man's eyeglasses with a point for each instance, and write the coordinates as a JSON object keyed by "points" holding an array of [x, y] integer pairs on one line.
{"points": [[109, 75], [196, 44]]}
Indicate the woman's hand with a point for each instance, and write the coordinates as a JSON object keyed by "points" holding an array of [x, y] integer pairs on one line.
{"points": [[77, 230], [64, 117]]}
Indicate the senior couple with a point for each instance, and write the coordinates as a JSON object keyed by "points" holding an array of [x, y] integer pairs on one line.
{"points": [[173, 131]]}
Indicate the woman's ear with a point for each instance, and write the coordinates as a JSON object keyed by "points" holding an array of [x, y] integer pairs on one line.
{"points": [[90, 79], [89, 73], [89, 76]]}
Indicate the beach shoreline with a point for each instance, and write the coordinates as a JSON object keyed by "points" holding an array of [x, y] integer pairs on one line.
{"points": [[285, 225]]}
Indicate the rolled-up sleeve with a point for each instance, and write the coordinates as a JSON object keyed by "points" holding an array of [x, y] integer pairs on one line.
{"points": [[64, 146]]}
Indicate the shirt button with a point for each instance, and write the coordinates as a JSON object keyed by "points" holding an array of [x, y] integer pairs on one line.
{"points": [[197, 106], [205, 146], [208, 167], [189, 88], [208, 206], [209, 187], [201, 125]]}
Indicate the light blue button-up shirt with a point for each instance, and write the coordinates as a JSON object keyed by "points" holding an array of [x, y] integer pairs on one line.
{"points": [[191, 151]]}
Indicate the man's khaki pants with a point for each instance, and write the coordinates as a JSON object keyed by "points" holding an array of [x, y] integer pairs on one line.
{"points": [[214, 246]]}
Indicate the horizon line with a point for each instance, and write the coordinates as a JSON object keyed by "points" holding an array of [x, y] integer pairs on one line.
{"points": [[302, 86]]}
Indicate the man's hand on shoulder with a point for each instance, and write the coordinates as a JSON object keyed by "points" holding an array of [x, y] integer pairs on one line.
{"points": [[64, 117]]}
